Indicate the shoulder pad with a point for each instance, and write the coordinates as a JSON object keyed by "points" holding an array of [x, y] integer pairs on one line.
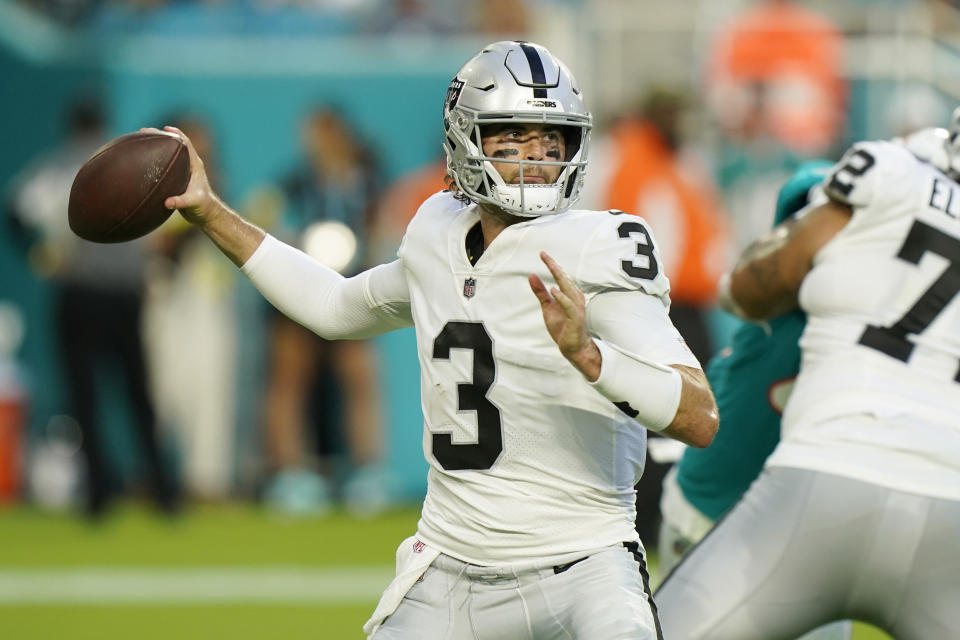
{"points": [[439, 205], [867, 171]]}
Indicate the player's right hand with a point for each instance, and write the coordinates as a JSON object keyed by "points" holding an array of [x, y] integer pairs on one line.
{"points": [[198, 204], [564, 314]]}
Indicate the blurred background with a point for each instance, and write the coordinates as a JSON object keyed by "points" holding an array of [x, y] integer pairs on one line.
{"points": [[175, 457]]}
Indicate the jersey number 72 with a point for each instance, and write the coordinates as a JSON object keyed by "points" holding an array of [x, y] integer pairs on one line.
{"points": [[920, 239]]}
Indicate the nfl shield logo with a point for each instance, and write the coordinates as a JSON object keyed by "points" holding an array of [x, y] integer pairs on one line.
{"points": [[469, 287]]}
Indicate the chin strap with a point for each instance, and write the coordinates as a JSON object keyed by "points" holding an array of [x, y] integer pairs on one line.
{"points": [[527, 199]]}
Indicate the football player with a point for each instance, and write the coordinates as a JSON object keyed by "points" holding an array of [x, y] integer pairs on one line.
{"points": [[856, 512], [538, 383]]}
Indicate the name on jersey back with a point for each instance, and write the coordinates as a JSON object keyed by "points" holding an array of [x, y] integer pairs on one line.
{"points": [[945, 197]]}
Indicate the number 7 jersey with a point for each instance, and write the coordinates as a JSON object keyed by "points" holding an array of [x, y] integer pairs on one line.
{"points": [[883, 331], [526, 459]]}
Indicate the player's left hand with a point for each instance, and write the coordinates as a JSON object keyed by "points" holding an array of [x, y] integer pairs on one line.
{"points": [[565, 315]]}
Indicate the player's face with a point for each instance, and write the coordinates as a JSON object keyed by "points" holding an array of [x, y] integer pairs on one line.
{"points": [[525, 142]]}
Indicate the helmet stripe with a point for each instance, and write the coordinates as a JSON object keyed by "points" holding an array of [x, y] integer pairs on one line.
{"points": [[537, 76]]}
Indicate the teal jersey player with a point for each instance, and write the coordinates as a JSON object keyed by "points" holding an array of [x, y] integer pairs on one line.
{"points": [[751, 380]]}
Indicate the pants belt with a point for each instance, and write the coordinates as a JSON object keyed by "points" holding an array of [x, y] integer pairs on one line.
{"points": [[560, 568]]}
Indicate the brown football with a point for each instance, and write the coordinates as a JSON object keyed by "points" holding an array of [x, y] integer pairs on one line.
{"points": [[118, 194]]}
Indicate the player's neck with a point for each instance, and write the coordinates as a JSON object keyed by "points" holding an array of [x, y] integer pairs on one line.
{"points": [[493, 221]]}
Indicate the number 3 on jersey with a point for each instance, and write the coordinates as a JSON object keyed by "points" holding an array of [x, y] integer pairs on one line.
{"points": [[645, 264], [471, 396]]}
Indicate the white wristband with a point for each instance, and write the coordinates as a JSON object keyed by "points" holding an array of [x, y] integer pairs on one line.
{"points": [[650, 391]]}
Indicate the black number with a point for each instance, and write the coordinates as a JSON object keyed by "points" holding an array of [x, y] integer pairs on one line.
{"points": [[859, 163], [471, 396], [648, 271], [892, 340]]}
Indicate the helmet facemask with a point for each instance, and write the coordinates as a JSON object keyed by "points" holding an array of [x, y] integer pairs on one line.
{"points": [[495, 78]]}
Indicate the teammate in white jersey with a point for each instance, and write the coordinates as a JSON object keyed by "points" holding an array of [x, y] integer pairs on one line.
{"points": [[857, 512], [538, 385]]}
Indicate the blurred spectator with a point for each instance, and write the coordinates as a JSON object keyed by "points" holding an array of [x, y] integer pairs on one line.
{"points": [[192, 373], [328, 200], [642, 167], [776, 70], [99, 296], [774, 83]]}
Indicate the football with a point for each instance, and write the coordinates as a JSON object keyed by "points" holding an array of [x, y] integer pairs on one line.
{"points": [[118, 193]]}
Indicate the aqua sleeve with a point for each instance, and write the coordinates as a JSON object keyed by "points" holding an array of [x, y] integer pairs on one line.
{"points": [[794, 194]]}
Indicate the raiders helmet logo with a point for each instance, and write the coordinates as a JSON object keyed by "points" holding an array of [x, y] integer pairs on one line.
{"points": [[469, 288], [453, 93]]}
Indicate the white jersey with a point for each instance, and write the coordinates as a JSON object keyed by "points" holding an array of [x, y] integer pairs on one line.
{"points": [[526, 459], [883, 333]]}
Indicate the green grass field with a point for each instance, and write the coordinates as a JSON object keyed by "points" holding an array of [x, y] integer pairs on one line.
{"points": [[231, 572]]}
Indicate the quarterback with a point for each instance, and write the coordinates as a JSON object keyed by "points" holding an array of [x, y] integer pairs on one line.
{"points": [[545, 353], [856, 512]]}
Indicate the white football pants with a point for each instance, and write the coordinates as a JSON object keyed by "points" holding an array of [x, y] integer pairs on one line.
{"points": [[683, 526], [605, 596], [803, 548]]}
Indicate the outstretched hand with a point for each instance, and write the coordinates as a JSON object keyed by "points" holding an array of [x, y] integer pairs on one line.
{"points": [[198, 203], [564, 313]]}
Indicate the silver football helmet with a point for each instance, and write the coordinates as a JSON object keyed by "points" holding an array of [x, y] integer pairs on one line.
{"points": [[938, 146], [930, 145], [952, 145], [515, 82]]}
